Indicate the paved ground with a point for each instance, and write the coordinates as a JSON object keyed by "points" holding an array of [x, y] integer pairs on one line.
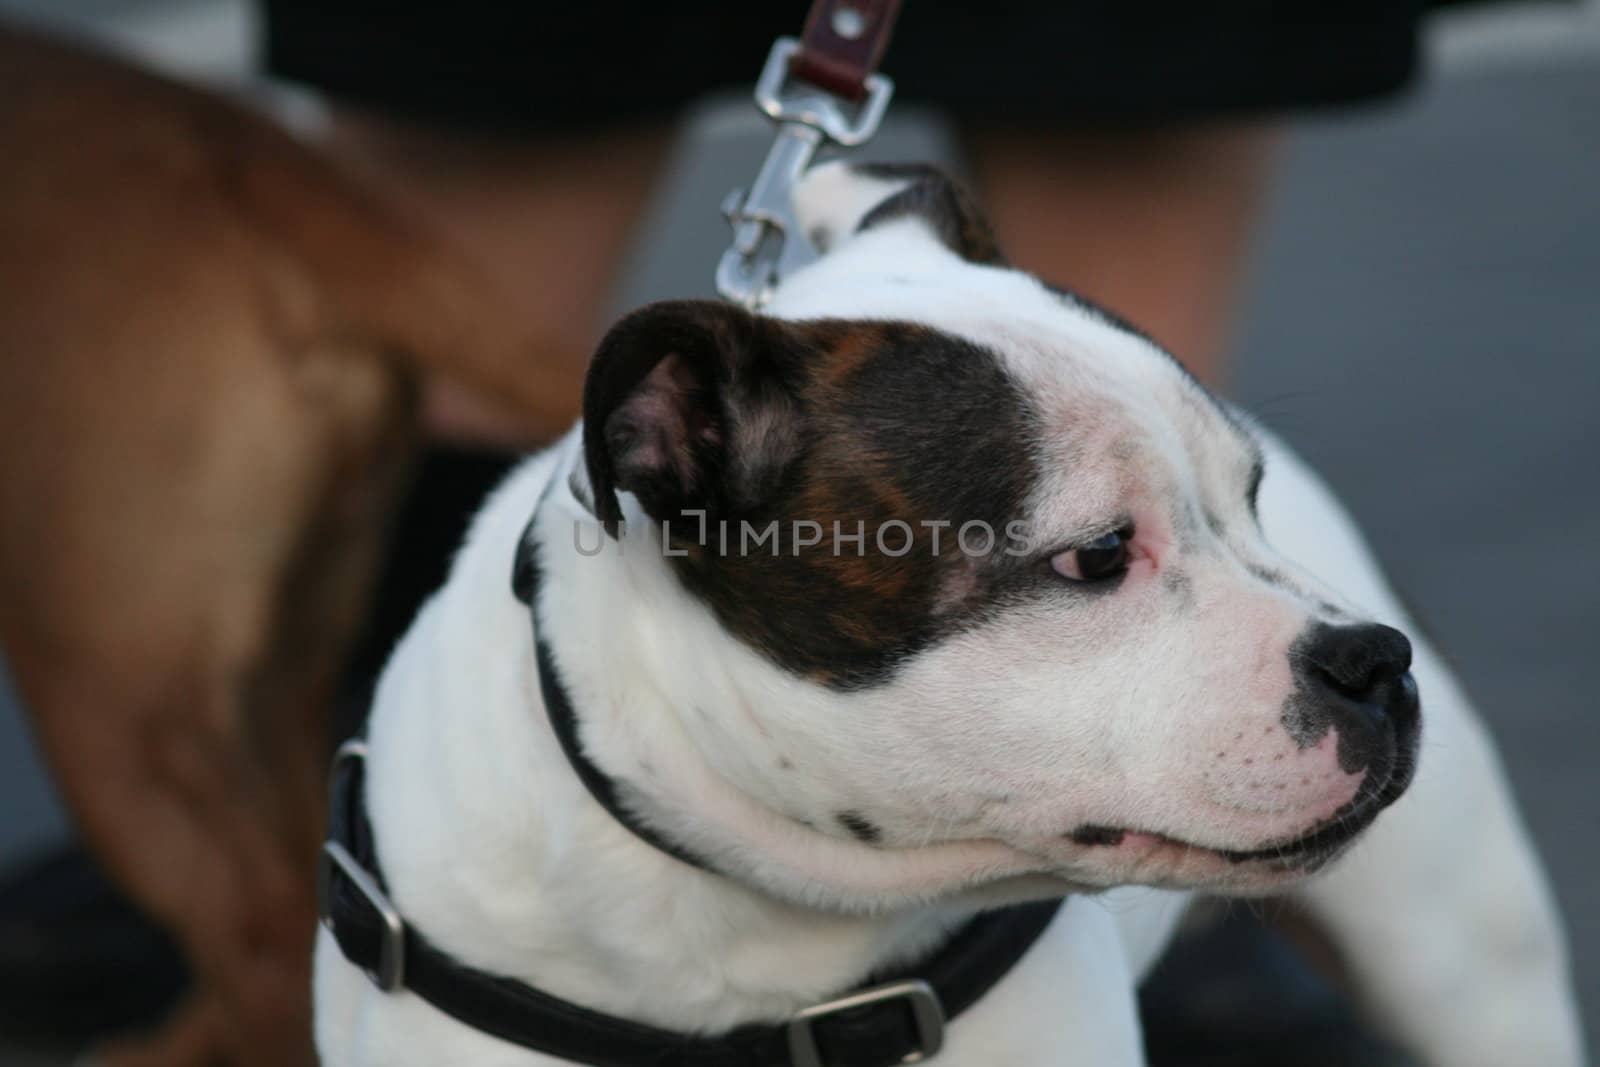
{"points": [[1422, 322]]}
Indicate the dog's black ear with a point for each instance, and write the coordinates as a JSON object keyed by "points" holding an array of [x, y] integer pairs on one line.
{"points": [[689, 404], [942, 202]]}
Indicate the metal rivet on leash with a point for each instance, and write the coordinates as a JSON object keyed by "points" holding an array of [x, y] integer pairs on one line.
{"points": [[848, 23], [821, 90]]}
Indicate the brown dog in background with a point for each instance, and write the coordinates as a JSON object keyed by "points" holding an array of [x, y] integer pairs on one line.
{"points": [[211, 340]]}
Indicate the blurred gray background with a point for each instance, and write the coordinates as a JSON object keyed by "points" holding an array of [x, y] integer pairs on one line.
{"points": [[1422, 321]]}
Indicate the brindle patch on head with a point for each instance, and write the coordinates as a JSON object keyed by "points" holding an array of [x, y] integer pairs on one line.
{"points": [[901, 426], [942, 202]]}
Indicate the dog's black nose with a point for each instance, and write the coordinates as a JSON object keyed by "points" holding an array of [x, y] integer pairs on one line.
{"points": [[1357, 680], [1355, 661]]}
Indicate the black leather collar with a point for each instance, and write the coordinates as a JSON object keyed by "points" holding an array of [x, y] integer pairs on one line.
{"points": [[894, 1019]]}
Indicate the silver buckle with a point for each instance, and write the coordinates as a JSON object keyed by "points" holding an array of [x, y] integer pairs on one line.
{"points": [[767, 242], [391, 971], [926, 1013]]}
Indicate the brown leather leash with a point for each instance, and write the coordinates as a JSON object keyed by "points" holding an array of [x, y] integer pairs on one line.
{"points": [[842, 44], [823, 90]]}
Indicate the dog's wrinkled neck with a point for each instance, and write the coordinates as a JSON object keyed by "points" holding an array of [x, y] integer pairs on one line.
{"points": [[526, 574]]}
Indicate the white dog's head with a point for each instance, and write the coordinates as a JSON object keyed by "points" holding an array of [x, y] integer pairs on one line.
{"points": [[1020, 618]]}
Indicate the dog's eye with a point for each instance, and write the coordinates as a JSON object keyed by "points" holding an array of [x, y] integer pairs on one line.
{"points": [[1104, 557]]}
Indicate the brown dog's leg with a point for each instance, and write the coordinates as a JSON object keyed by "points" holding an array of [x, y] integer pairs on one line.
{"points": [[209, 346]]}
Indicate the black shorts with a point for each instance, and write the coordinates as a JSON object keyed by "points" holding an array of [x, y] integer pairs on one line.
{"points": [[574, 64]]}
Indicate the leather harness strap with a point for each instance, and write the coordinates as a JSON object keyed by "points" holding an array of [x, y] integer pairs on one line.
{"points": [[842, 44]]}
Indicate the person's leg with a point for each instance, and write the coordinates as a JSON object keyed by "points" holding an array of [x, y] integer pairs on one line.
{"points": [[1154, 224]]}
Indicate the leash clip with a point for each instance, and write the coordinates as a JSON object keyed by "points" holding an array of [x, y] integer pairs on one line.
{"points": [[767, 242]]}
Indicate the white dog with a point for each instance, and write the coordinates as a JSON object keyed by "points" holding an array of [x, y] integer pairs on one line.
{"points": [[934, 591]]}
